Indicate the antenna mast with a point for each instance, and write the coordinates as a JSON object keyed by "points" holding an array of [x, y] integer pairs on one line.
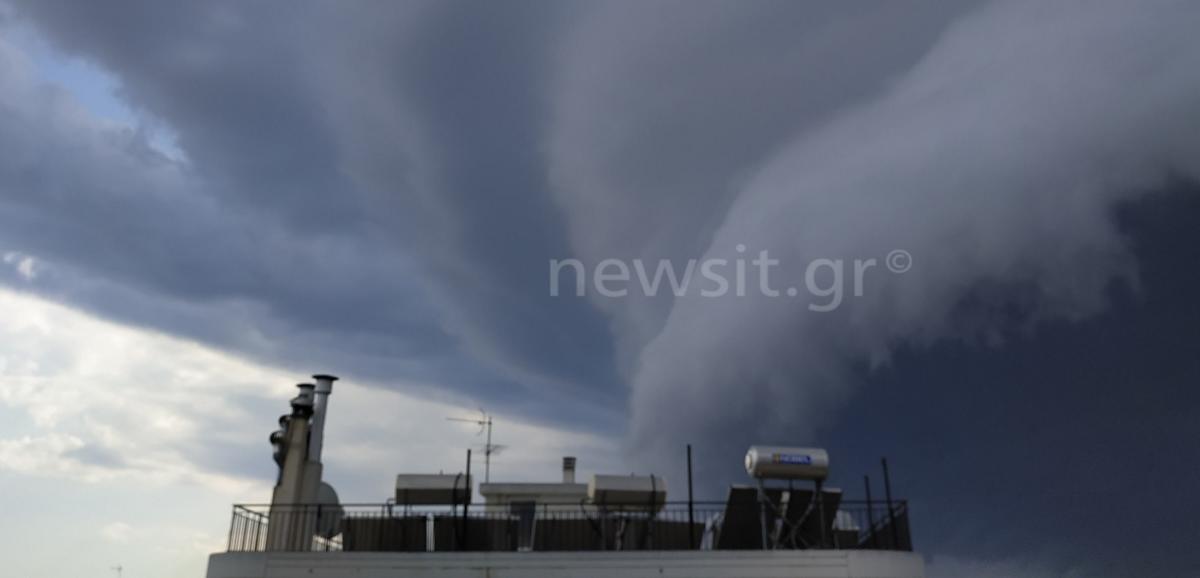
{"points": [[484, 421]]}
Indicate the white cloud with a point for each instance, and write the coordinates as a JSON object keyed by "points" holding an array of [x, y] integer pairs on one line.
{"points": [[119, 532], [39, 455], [129, 419], [26, 265], [109, 401]]}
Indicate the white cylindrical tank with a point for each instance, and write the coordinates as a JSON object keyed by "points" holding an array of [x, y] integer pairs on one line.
{"points": [[636, 492], [787, 463]]}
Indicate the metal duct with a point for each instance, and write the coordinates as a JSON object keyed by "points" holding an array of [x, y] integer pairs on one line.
{"points": [[324, 387], [568, 470]]}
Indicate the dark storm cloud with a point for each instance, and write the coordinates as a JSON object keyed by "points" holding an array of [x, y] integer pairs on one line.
{"points": [[661, 113], [1042, 445], [995, 160], [378, 188], [346, 269], [475, 76]]}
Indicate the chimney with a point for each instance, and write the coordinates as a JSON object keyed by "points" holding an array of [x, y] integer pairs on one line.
{"points": [[302, 404], [321, 391], [568, 470]]}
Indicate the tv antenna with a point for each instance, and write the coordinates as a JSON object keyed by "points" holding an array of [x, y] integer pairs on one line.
{"points": [[484, 421]]}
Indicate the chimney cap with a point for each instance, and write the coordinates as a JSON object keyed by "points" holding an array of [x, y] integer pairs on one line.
{"points": [[325, 377], [302, 406]]}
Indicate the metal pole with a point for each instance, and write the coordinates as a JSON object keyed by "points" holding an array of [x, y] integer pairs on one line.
{"points": [[487, 453], [762, 512], [821, 514], [887, 492], [466, 503], [316, 525], [233, 522], [691, 503], [870, 512]]}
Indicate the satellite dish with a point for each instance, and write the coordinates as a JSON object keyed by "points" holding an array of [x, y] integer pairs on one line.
{"points": [[329, 518]]}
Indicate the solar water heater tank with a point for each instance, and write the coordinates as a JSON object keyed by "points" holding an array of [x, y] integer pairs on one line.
{"points": [[787, 463], [636, 491]]}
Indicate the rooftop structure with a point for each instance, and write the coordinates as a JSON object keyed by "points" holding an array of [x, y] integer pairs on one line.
{"points": [[785, 524], [561, 496]]}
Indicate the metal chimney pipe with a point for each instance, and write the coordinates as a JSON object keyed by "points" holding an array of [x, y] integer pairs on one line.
{"points": [[568, 470], [323, 388], [303, 402]]}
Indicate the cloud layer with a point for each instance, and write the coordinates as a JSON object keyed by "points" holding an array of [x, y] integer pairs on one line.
{"points": [[388, 201], [130, 421], [997, 162]]}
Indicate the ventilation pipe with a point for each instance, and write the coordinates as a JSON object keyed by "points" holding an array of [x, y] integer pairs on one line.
{"points": [[323, 388], [303, 402], [287, 531], [568, 470]]}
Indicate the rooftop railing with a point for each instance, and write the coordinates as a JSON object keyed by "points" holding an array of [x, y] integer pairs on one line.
{"points": [[844, 525]]}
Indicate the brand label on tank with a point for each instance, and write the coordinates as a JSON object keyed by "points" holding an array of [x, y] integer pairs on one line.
{"points": [[797, 459]]}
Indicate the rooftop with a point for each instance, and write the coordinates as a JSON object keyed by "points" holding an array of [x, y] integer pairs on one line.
{"points": [[788, 510], [796, 523]]}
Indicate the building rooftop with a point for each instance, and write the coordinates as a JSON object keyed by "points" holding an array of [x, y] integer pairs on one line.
{"points": [[787, 512]]}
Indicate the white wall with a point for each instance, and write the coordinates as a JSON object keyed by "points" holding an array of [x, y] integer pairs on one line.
{"points": [[703, 564]]}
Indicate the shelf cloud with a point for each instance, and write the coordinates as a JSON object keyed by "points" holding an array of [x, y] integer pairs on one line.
{"points": [[380, 190]]}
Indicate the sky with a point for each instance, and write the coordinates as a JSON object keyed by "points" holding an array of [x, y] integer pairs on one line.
{"points": [[201, 204]]}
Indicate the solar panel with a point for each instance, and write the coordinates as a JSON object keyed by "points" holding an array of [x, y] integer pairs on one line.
{"points": [[741, 527]]}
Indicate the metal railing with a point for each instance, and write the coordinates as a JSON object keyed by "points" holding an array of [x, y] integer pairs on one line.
{"points": [[580, 527]]}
